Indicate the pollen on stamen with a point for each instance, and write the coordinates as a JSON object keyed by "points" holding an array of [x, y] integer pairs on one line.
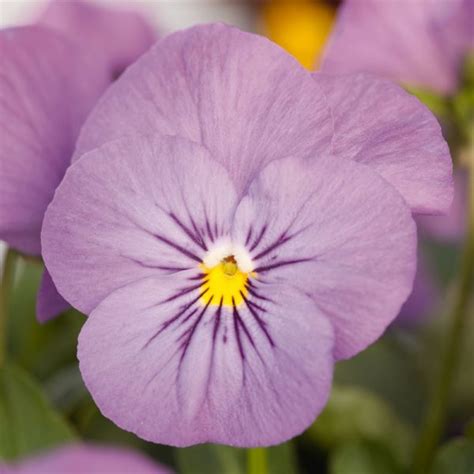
{"points": [[225, 276]]}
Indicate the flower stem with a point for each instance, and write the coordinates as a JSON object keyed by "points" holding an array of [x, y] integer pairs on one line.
{"points": [[6, 284], [257, 461], [436, 414]]}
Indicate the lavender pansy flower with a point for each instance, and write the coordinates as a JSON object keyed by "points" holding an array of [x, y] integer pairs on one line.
{"points": [[44, 101], [419, 43], [224, 255], [120, 37], [90, 459]]}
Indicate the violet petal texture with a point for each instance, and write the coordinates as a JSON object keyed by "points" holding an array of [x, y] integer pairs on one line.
{"points": [[379, 124], [241, 96]]}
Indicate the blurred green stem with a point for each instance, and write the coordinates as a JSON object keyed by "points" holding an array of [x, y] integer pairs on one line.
{"points": [[436, 414], [6, 284], [257, 461]]}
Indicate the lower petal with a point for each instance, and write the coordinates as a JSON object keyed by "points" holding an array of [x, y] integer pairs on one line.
{"points": [[177, 371]]}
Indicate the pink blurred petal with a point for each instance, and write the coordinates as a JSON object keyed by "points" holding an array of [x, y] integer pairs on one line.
{"points": [[49, 303]]}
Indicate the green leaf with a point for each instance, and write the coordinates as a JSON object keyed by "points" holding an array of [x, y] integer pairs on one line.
{"points": [[224, 459], [42, 350], [438, 104], [355, 414], [470, 430], [363, 457], [455, 457], [388, 369], [27, 421]]}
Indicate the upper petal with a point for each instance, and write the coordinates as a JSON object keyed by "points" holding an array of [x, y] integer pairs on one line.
{"points": [[338, 232], [377, 123], [173, 370], [132, 208], [120, 37], [237, 93], [44, 99], [421, 43]]}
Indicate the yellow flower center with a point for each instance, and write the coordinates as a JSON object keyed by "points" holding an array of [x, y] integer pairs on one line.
{"points": [[225, 283]]}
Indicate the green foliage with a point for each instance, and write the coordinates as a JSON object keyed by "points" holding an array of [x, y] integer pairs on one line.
{"points": [[27, 421], [455, 457], [40, 349], [363, 457], [211, 458], [354, 414], [386, 369]]}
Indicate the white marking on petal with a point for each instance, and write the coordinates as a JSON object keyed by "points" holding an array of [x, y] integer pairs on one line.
{"points": [[221, 249], [242, 257]]}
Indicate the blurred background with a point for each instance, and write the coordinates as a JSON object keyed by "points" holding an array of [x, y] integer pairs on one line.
{"points": [[379, 397]]}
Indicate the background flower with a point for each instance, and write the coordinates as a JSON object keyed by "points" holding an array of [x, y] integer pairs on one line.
{"points": [[40, 129], [119, 36], [90, 459], [419, 43], [44, 103]]}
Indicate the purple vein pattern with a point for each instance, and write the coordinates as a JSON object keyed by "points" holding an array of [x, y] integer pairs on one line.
{"points": [[331, 244]]}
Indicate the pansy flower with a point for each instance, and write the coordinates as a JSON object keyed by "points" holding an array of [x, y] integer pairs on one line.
{"points": [[225, 253], [90, 459], [419, 43], [48, 85]]}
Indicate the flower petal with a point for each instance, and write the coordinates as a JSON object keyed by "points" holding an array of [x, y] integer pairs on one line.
{"points": [[43, 102], [421, 44], [337, 231], [49, 303], [176, 371], [423, 298], [236, 93], [451, 227], [115, 220], [79, 459], [119, 36], [383, 126]]}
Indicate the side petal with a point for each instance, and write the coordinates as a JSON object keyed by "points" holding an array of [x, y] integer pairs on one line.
{"points": [[133, 208], [175, 371], [120, 37], [43, 101], [384, 127], [238, 94], [49, 303], [338, 232]]}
